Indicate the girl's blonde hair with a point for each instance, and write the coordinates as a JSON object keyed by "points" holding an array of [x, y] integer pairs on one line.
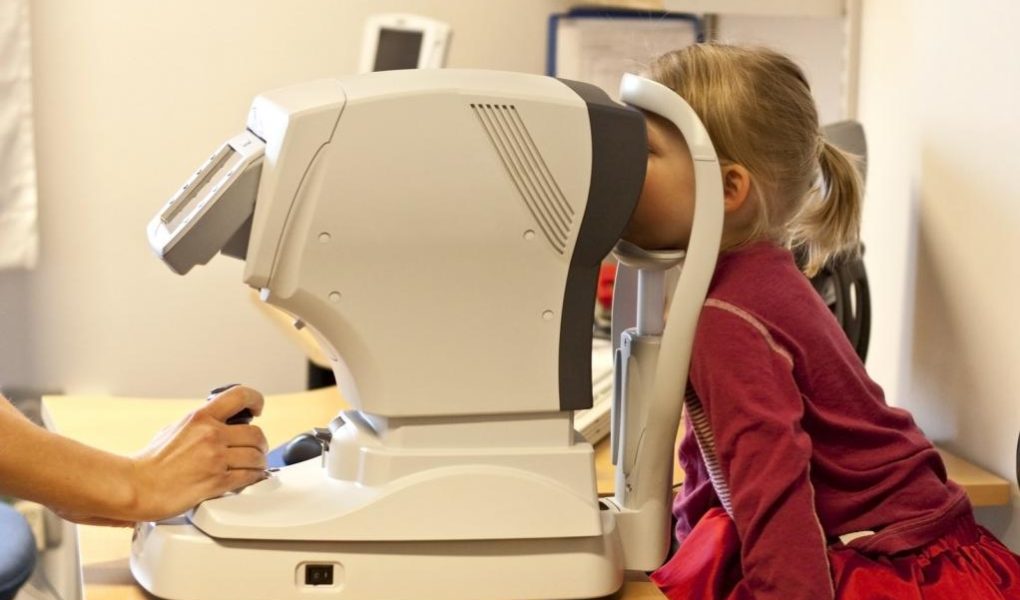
{"points": [[759, 112]]}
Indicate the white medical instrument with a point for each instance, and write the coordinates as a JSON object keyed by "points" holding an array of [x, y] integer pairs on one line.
{"points": [[440, 232]]}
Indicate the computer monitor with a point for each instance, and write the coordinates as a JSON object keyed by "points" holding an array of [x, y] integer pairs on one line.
{"points": [[403, 41]]}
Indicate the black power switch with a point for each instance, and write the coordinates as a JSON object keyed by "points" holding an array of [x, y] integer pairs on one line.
{"points": [[318, 574]]}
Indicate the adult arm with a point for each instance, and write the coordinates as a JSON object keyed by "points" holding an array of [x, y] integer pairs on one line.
{"points": [[197, 458]]}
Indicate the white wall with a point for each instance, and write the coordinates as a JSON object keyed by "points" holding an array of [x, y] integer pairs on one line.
{"points": [[131, 95], [16, 345], [887, 108], [940, 83]]}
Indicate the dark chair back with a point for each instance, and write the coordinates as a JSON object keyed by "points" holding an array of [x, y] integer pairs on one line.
{"points": [[843, 285]]}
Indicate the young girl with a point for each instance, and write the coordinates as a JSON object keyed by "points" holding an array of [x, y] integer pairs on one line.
{"points": [[800, 481]]}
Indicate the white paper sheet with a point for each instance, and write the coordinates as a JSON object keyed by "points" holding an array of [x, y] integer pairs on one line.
{"points": [[601, 50]]}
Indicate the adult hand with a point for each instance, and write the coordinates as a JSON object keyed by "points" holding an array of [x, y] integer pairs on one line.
{"points": [[200, 457]]}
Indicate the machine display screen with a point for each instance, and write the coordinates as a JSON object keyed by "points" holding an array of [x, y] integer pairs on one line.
{"points": [[397, 49]]}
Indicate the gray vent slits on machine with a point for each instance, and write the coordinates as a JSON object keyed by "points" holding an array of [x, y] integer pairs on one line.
{"points": [[526, 167]]}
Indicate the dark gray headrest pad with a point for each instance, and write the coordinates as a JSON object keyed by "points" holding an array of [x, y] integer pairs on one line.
{"points": [[848, 136]]}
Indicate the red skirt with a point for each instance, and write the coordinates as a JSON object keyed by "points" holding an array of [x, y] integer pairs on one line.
{"points": [[965, 563]]}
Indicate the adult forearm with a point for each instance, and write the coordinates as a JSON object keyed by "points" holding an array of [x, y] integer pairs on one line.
{"points": [[199, 457], [44, 467]]}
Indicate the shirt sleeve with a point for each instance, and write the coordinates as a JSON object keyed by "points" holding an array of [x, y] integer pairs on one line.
{"points": [[744, 381]]}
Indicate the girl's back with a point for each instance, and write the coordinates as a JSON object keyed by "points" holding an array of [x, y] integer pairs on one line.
{"points": [[870, 466]]}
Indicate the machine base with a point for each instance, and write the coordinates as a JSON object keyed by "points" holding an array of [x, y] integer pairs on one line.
{"points": [[176, 561]]}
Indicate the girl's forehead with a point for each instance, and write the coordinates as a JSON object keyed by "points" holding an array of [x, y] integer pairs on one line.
{"points": [[660, 123], [661, 128]]}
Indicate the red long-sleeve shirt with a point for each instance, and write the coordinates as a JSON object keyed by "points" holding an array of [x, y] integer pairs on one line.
{"points": [[798, 438]]}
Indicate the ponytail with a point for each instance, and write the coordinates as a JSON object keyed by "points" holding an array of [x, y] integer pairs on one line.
{"points": [[829, 225]]}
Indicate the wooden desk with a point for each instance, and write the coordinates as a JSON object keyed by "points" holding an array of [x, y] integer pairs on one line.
{"points": [[983, 488], [124, 425]]}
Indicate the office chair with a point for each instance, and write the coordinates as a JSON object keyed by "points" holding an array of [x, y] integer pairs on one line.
{"points": [[17, 551], [843, 285]]}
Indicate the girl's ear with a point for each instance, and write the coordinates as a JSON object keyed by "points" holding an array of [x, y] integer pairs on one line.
{"points": [[736, 186]]}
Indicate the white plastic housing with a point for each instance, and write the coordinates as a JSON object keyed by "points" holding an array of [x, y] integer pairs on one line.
{"points": [[644, 435], [176, 561], [478, 479], [481, 142]]}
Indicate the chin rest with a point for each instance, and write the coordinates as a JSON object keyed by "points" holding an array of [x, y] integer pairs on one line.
{"points": [[17, 552]]}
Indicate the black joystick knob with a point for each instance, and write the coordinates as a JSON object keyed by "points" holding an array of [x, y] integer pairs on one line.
{"points": [[303, 447], [243, 417]]}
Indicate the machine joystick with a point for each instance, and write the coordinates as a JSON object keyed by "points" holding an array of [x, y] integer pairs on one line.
{"points": [[242, 417], [303, 447]]}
